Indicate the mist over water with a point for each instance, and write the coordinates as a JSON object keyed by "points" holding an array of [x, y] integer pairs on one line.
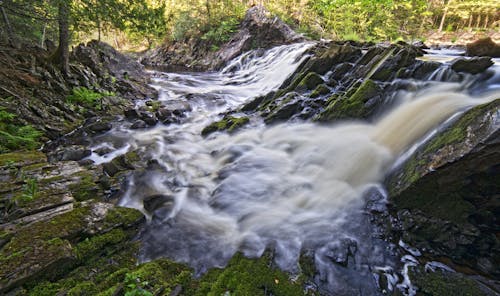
{"points": [[289, 188]]}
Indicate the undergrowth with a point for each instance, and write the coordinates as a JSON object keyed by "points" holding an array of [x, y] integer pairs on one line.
{"points": [[14, 136], [87, 97]]}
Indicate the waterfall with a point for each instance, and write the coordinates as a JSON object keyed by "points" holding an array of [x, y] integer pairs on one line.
{"points": [[287, 187]]}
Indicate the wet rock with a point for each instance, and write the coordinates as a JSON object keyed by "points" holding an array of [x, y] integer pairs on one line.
{"points": [[126, 162], [99, 127], [340, 70], [319, 91], [228, 123], [422, 70], [138, 124], [103, 151], [131, 114], [483, 47], [154, 202], [473, 65], [443, 282], [358, 102], [148, 118], [310, 81], [334, 54], [446, 193], [257, 30], [340, 252], [420, 44], [394, 59], [73, 152]]}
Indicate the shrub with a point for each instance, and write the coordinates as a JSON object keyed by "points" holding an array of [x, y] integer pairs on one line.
{"points": [[87, 97], [15, 137]]}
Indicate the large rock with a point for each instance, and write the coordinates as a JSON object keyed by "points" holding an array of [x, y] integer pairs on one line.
{"points": [[483, 47], [446, 196], [116, 70], [473, 65], [258, 30]]}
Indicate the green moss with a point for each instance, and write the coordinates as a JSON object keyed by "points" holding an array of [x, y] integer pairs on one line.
{"points": [[352, 105], [228, 123], [122, 216], [159, 275], [458, 131], [22, 158], [310, 81], [96, 245], [85, 188], [319, 91], [153, 106], [83, 289], [442, 283], [245, 276]]}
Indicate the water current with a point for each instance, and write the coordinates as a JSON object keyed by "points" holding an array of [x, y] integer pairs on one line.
{"points": [[298, 189]]}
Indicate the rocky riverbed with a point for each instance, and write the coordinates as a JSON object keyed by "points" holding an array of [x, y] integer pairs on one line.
{"points": [[62, 232]]}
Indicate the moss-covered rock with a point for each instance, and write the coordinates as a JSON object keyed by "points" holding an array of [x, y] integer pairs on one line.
{"points": [[442, 283], [319, 91], [445, 194], [309, 82], [243, 276], [358, 102], [228, 123], [48, 249]]}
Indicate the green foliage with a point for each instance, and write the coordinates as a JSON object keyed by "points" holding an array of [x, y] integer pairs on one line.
{"points": [[145, 22], [134, 286], [15, 137], [87, 97], [221, 33], [30, 189]]}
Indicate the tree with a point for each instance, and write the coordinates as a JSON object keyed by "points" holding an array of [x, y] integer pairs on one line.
{"points": [[61, 55]]}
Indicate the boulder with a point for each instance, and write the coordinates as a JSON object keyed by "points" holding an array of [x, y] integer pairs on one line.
{"points": [[115, 70], [483, 47], [257, 30], [473, 65], [446, 197]]}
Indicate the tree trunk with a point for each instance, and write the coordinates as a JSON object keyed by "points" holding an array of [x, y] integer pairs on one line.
{"points": [[10, 32], [445, 12], [62, 53], [42, 39], [207, 6]]}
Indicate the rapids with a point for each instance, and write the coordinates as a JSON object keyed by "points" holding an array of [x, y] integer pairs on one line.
{"points": [[294, 188]]}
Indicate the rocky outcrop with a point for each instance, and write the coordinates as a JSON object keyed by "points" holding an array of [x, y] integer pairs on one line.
{"points": [[342, 80], [473, 65], [37, 92], [116, 71], [483, 47], [445, 196], [257, 30]]}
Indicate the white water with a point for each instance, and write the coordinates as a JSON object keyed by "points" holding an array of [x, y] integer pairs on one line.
{"points": [[285, 187]]}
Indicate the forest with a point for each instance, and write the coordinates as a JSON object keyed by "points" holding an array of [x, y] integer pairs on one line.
{"points": [[249, 147], [143, 23]]}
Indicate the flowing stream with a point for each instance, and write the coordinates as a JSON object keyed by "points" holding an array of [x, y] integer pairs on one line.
{"points": [[298, 189]]}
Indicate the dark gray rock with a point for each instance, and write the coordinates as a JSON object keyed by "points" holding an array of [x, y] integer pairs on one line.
{"points": [[138, 124], [148, 118], [131, 113], [446, 195], [473, 65]]}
